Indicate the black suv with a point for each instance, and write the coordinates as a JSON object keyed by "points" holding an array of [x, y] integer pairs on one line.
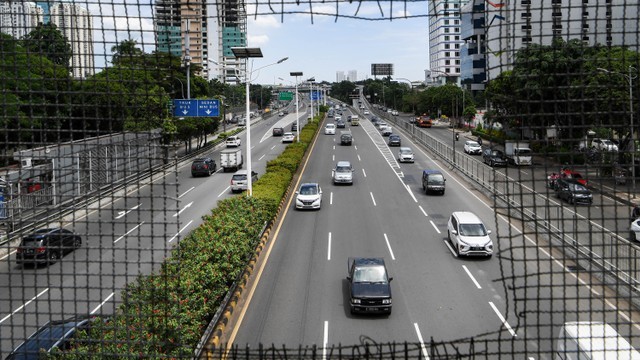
{"points": [[494, 157], [369, 285], [203, 166], [346, 138], [294, 126], [573, 192], [53, 335], [394, 140], [340, 124], [278, 131], [46, 246]]}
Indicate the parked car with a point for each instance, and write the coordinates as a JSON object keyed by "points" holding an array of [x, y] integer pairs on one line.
{"points": [[53, 335], [369, 285], [494, 157], [203, 166], [288, 137], [342, 173], [309, 196], [233, 141], [46, 246], [405, 154], [330, 129], [573, 192], [278, 131], [468, 235], [604, 144], [394, 140], [240, 182], [472, 147]]}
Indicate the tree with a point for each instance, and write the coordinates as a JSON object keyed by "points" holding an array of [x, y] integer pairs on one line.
{"points": [[46, 40], [126, 50]]}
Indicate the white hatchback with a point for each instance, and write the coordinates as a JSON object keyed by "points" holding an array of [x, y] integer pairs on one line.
{"points": [[288, 137], [330, 129], [468, 235]]}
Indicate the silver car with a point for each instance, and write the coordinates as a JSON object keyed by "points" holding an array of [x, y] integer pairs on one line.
{"points": [[405, 154], [343, 173], [239, 181]]}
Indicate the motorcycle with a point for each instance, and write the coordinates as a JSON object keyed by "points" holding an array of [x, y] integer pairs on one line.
{"points": [[457, 136]]}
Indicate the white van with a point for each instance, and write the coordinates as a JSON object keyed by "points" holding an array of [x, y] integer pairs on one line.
{"points": [[592, 340]]}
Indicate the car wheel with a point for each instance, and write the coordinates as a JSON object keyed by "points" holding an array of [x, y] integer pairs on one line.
{"points": [[77, 243], [632, 236], [53, 257]]}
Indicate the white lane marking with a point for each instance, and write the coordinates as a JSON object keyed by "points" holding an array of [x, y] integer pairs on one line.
{"points": [[421, 209], [123, 213], [181, 230], [329, 248], [224, 191], [355, 147], [389, 246], [186, 192], [325, 340], [333, 157], [262, 157], [364, 173], [128, 232], [183, 209], [410, 192], [504, 321], [334, 147], [471, 276], [446, 242], [372, 199], [273, 147], [102, 303], [424, 348], [434, 226], [9, 254], [331, 198], [23, 305], [359, 158]]}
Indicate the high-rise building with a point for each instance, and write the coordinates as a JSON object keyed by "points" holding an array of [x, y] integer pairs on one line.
{"points": [[212, 31], [517, 24], [444, 40], [46, 18], [75, 23], [473, 51], [18, 18], [352, 75], [340, 76]]}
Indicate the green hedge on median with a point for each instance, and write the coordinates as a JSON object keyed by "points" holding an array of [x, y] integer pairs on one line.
{"points": [[164, 315]]}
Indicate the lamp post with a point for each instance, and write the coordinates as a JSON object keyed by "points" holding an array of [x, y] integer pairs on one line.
{"points": [[311, 81], [181, 84], [187, 59], [411, 90], [296, 74], [629, 77], [246, 53]]}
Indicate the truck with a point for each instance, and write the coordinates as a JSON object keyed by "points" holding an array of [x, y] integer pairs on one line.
{"points": [[424, 121], [231, 159], [355, 121], [518, 152]]}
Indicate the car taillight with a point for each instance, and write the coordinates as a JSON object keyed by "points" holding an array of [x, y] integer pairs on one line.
{"points": [[40, 250], [19, 250], [205, 167], [193, 167]]}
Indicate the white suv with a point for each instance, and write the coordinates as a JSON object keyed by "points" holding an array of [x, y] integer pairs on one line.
{"points": [[233, 141], [468, 235]]}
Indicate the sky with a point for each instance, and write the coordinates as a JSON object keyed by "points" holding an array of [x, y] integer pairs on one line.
{"points": [[317, 49]]}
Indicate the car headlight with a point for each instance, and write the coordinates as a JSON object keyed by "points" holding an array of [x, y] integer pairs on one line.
{"points": [[316, 201], [298, 201], [489, 246], [386, 301], [355, 301]]}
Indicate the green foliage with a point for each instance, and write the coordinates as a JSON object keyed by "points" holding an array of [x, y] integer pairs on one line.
{"points": [[46, 40], [343, 90], [125, 51]]}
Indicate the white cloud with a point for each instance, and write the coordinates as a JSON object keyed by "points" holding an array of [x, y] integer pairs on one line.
{"points": [[258, 40]]}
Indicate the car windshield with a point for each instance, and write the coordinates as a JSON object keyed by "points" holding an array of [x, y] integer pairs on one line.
{"points": [[370, 274], [577, 187], [308, 190], [405, 151], [523, 151], [473, 144], [343, 169], [436, 179], [472, 230], [496, 153], [330, 126], [607, 142], [46, 338]]}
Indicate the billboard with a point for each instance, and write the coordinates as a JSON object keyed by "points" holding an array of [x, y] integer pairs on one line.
{"points": [[382, 69]]}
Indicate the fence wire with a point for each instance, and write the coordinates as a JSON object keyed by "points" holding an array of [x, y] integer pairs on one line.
{"points": [[96, 187]]}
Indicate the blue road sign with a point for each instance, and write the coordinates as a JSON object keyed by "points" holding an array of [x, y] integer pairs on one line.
{"points": [[315, 95], [196, 108]]}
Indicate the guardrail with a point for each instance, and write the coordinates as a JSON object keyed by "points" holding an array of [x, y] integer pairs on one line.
{"points": [[608, 256]]}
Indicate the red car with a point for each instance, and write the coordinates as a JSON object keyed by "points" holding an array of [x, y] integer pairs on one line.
{"points": [[570, 174]]}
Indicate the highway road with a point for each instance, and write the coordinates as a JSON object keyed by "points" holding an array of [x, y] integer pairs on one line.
{"points": [[512, 304], [123, 236]]}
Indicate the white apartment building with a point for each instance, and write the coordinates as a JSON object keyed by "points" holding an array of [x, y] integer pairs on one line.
{"points": [[18, 18], [519, 23], [340, 77], [352, 75], [76, 25], [444, 40]]}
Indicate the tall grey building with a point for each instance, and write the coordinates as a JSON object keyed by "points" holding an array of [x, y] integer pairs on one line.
{"points": [[76, 24], [444, 40], [340, 77]]}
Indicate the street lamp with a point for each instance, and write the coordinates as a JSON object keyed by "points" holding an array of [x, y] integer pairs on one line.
{"points": [[413, 103], [311, 81], [246, 53], [296, 74], [630, 77], [181, 84]]}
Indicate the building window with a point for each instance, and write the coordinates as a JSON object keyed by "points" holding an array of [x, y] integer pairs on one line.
{"points": [[447, 54], [525, 2], [457, 30], [457, 37], [527, 39], [457, 22], [585, 1], [526, 27], [585, 25], [457, 46], [585, 38], [447, 37], [447, 62], [525, 15], [446, 30], [446, 22], [585, 13], [447, 70], [447, 46], [556, 2], [457, 62], [457, 53]]}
